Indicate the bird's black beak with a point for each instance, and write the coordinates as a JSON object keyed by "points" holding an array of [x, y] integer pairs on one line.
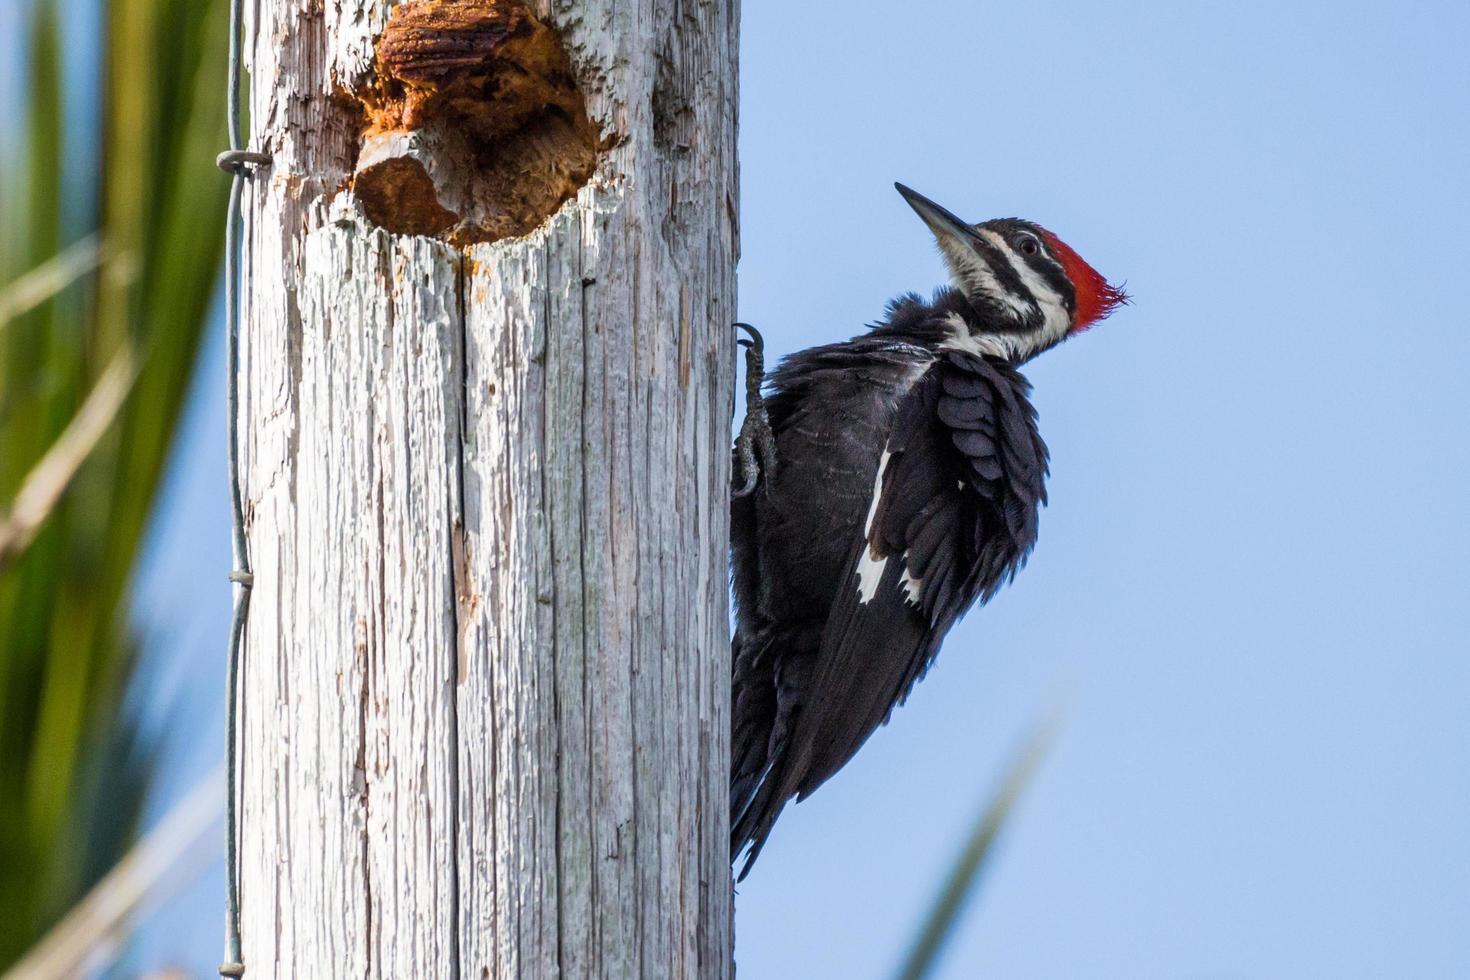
{"points": [[941, 221]]}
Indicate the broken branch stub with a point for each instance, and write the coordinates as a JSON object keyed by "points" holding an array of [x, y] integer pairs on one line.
{"points": [[475, 129]]}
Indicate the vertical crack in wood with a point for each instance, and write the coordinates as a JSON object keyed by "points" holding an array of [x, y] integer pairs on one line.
{"points": [[586, 600], [461, 614], [362, 803], [556, 652]]}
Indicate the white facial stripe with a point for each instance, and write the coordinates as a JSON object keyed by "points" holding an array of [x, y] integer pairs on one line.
{"points": [[974, 271], [1056, 320]]}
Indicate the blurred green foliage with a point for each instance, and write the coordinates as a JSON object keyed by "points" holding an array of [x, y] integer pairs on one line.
{"points": [[73, 769], [963, 877]]}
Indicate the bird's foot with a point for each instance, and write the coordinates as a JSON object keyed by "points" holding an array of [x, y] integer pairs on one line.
{"points": [[755, 447]]}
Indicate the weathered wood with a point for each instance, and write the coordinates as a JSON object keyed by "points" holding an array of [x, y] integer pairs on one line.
{"points": [[486, 685]]}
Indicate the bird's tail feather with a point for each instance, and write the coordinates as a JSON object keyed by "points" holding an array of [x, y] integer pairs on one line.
{"points": [[750, 828]]}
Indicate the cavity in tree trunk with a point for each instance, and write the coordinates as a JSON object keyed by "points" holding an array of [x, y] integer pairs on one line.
{"points": [[486, 389]]}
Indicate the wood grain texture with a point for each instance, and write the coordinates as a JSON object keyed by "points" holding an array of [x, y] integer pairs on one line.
{"points": [[486, 687]]}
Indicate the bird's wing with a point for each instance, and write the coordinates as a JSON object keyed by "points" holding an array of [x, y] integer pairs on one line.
{"points": [[827, 407], [943, 529], [952, 517]]}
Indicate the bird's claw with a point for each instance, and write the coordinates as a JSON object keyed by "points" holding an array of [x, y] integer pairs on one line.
{"points": [[756, 341], [755, 447]]}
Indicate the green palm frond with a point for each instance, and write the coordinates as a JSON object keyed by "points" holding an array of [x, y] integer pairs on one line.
{"points": [[123, 260], [959, 883]]}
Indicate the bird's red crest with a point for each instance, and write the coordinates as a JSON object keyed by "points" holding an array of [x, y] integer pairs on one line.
{"points": [[1096, 297]]}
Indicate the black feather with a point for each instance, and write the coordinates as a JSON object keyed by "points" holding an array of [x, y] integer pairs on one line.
{"points": [[817, 665]]}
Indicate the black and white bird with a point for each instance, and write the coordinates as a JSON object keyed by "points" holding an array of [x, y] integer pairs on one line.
{"points": [[901, 485]]}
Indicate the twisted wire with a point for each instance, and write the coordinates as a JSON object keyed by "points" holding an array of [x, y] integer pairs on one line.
{"points": [[240, 164]]}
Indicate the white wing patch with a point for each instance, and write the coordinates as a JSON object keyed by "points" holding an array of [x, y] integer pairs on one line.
{"points": [[911, 586], [870, 569]]}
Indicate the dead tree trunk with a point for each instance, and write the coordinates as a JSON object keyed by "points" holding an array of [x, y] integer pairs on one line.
{"points": [[486, 380]]}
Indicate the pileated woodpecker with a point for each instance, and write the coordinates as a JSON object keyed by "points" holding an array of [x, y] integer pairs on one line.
{"points": [[883, 486]]}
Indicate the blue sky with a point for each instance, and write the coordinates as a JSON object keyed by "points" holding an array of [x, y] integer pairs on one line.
{"points": [[1251, 583]]}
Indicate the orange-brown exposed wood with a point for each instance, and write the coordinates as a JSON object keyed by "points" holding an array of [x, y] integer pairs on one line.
{"points": [[501, 136]]}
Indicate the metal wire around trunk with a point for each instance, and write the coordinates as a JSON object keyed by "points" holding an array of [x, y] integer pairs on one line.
{"points": [[240, 164]]}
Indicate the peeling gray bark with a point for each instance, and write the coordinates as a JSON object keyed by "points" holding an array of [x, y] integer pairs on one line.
{"points": [[486, 688]]}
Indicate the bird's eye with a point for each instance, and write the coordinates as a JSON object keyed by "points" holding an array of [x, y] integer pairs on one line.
{"points": [[1028, 245]]}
